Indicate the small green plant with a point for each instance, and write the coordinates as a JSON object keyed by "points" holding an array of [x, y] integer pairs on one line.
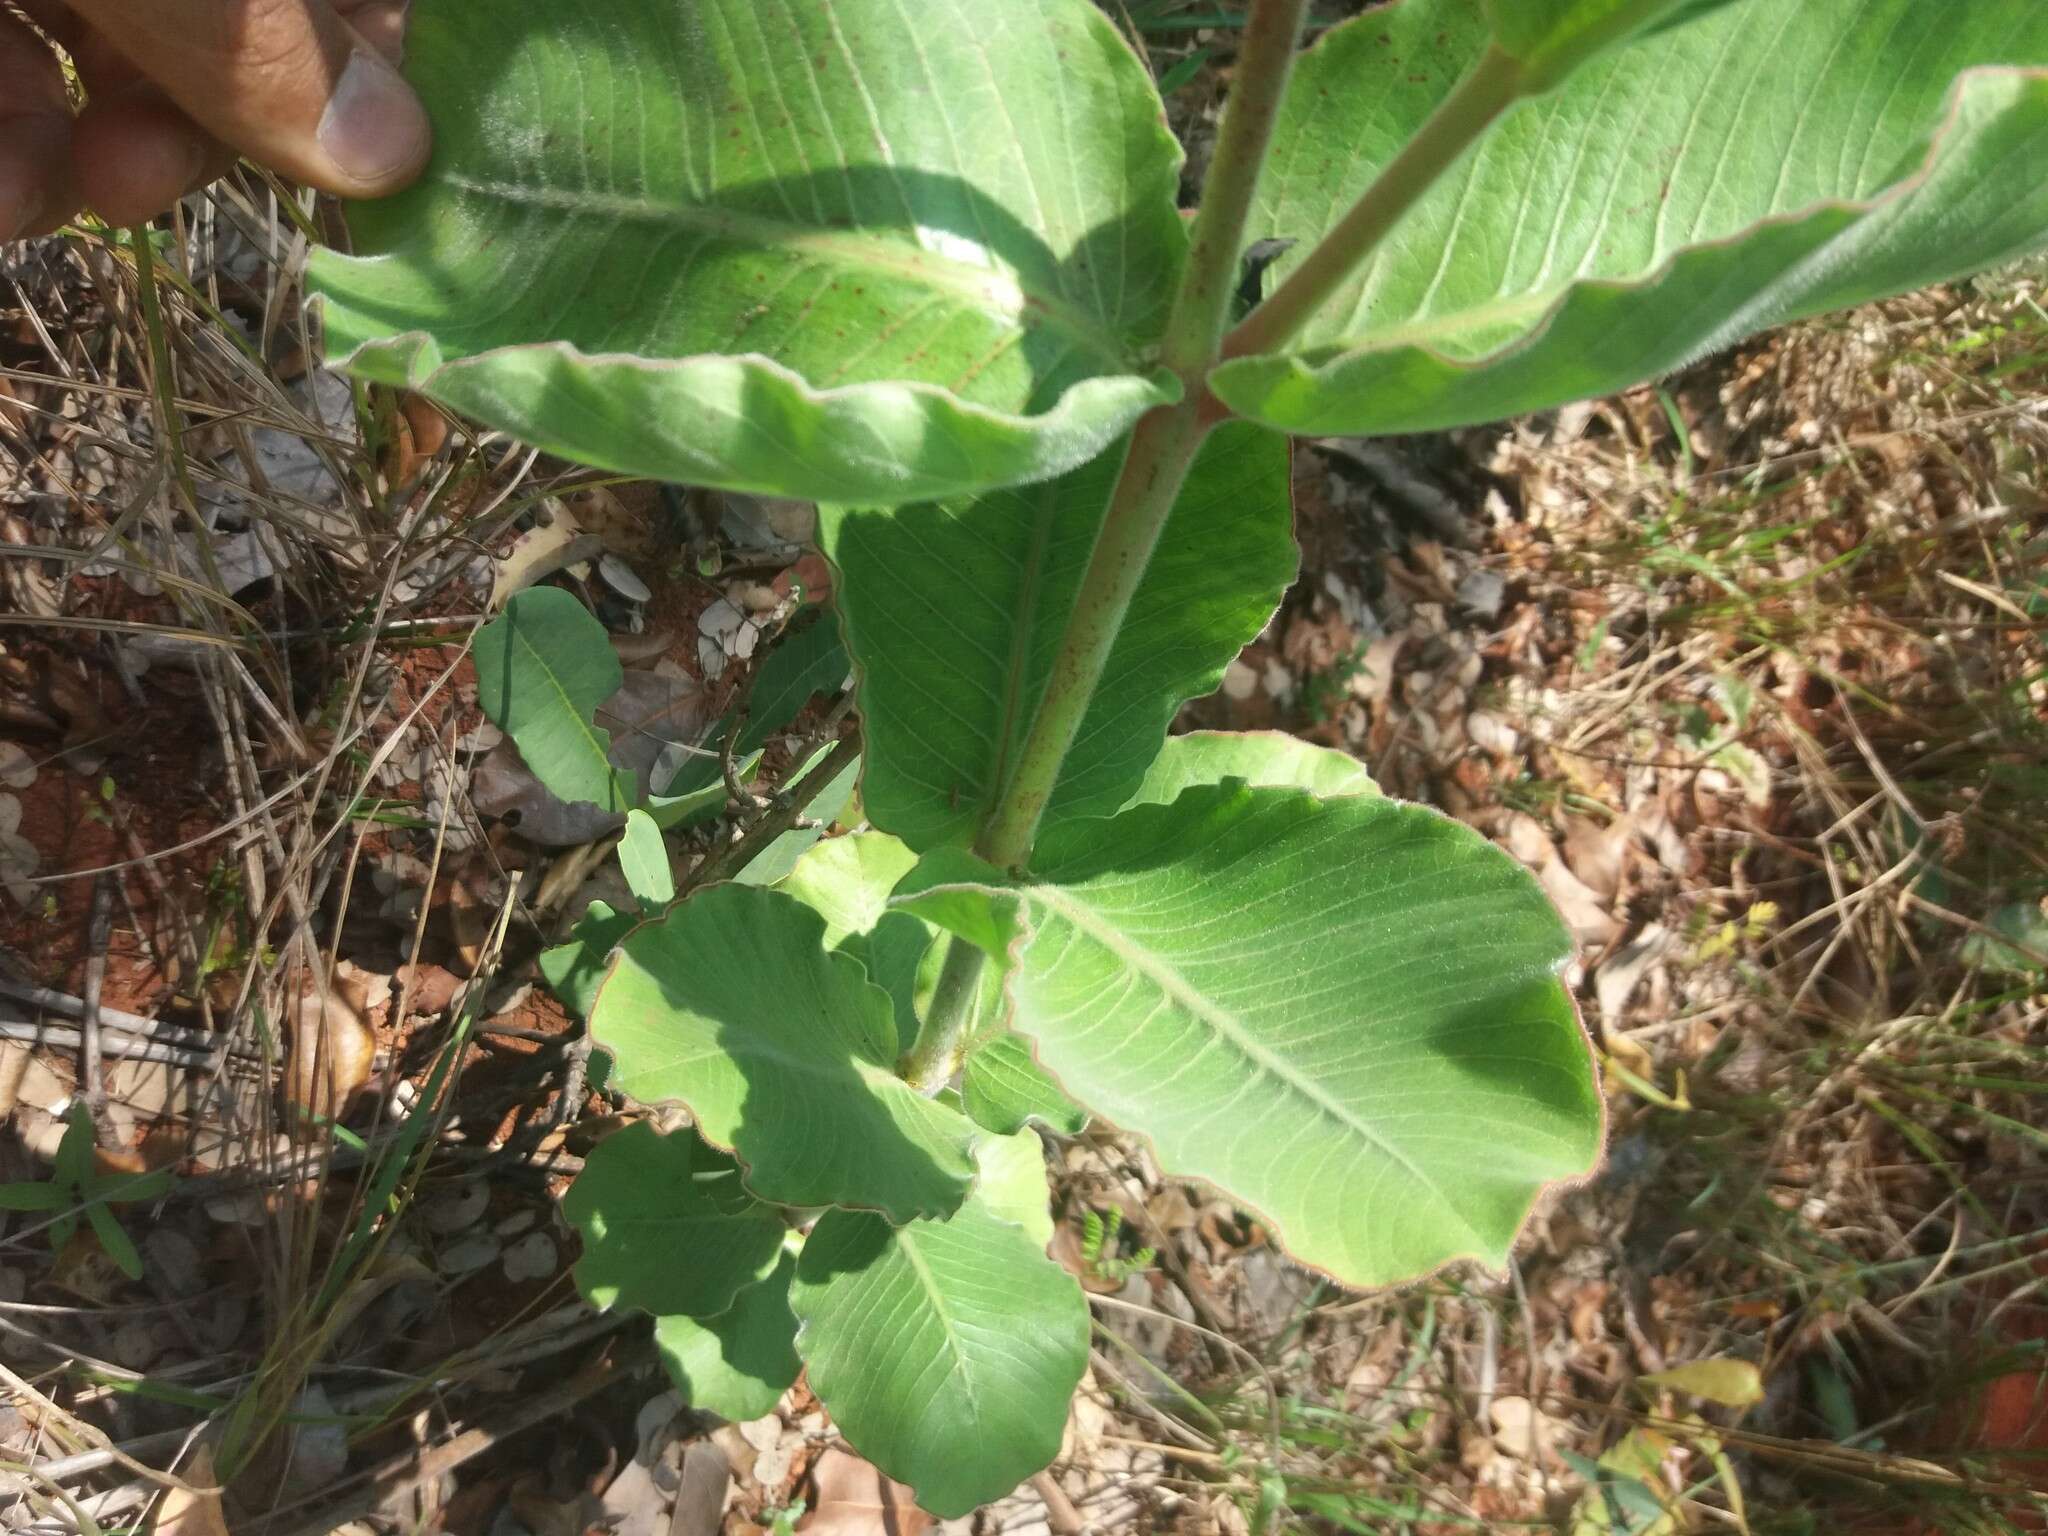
{"points": [[78, 1189], [929, 271], [1099, 1233]]}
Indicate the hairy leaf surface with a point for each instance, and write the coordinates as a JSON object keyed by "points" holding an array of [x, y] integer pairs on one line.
{"points": [[945, 1351], [783, 1051], [954, 614], [1345, 1013], [1764, 162], [808, 247]]}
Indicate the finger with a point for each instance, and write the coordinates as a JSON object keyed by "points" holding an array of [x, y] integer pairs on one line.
{"points": [[286, 82], [35, 134], [135, 154]]}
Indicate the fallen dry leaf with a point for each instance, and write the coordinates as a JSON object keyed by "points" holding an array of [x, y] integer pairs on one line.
{"points": [[195, 1509], [332, 1049]]}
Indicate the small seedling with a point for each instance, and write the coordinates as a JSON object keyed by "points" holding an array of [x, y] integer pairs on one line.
{"points": [[77, 1188]]}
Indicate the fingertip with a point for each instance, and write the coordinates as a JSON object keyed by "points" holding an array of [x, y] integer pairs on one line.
{"points": [[374, 132]]}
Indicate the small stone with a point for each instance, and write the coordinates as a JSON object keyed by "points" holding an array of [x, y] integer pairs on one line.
{"points": [[467, 1255], [455, 1206], [533, 1257], [620, 578]]}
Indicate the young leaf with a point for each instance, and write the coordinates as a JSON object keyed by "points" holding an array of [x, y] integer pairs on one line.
{"points": [[847, 881], [1258, 757], [783, 1051], [1764, 162], [954, 614], [739, 1363], [1004, 1088], [1345, 1013], [945, 1351], [542, 668], [836, 251], [667, 1226], [644, 858], [118, 1245]]}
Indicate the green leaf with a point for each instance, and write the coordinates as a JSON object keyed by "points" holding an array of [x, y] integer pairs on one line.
{"points": [[739, 1363], [1345, 1013], [37, 1197], [1004, 1088], [946, 1351], [1764, 162], [119, 1246], [667, 1226], [2013, 942], [809, 662], [784, 1052], [847, 881], [1013, 1183], [644, 858], [954, 614], [1260, 758], [542, 668], [573, 970], [832, 250]]}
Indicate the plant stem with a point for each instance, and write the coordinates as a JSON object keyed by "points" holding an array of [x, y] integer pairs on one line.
{"points": [[1164, 445], [1202, 306], [942, 1039], [1493, 86]]}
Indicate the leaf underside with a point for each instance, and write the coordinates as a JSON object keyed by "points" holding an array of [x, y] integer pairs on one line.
{"points": [[1344, 1013], [955, 612], [1765, 162], [807, 247], [945, 1351]]}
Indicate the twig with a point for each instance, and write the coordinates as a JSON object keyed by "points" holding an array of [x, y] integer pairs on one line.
{"points": [[784, 810], [1060, 1513], [92, 1072], [67, 1006]]}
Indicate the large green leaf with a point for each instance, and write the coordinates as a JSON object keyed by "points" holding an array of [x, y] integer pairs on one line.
{"points": [[954, 613], [542, 668], [814, 247], [1764, 162], [783, 1051], [1550, 38], [739, 1363], [1343, 1012], [946, 1351], [666, 1225]]}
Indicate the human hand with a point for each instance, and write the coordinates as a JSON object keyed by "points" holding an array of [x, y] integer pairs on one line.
{"points": [[175, 89]]}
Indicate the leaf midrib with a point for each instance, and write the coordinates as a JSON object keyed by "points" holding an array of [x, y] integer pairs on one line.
{"points": [[586, 729], [1155, 968], [972, 284]]}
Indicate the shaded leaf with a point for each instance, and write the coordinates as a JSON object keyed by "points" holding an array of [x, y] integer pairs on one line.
{"points": [[955, 612], [808, 662], [667, 1226], [573, 970], [783, 1051], [1344, 1013], [739, 1363], [653, 230]]}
